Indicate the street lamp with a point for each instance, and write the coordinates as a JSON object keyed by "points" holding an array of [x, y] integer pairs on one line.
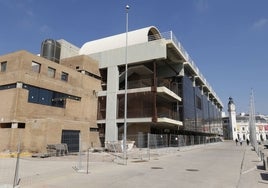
{"points": [[126, 87]]}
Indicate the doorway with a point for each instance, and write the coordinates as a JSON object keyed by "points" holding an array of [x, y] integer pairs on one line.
{"points": [[71, 138]]}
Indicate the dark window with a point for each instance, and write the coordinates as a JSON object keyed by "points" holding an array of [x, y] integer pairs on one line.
{"points": [[188, 103], [9, 86], [3, 66], [48, 97], [198, 103], [93, 129], [21, 125], [225, 121], [5, 125], [64, 76]]}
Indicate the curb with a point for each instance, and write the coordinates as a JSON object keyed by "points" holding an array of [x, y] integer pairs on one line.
{"points": [[14, 155]]}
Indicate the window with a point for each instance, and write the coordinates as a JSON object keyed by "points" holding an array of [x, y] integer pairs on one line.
{"points": [[47, 97], [198, 102], [51, 72], [21, 125], [36, 67], [9, 86], [5, 125], [92, 129], [3, 66], [64, 76]]}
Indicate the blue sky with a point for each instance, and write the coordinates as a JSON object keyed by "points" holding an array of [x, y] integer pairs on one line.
{"points": [[227, 39]]}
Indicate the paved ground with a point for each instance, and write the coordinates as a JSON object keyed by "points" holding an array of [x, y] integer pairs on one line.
{"points": [[215, 165]]}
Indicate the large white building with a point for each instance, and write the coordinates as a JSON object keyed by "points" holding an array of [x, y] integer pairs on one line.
{"points": [[166, 92], [236, 126]]}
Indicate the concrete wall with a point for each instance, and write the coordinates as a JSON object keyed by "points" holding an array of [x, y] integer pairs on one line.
{"points": [[136, 53]]}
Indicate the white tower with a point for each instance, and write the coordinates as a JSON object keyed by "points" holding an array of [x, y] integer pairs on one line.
{"points": [[232, 119]]}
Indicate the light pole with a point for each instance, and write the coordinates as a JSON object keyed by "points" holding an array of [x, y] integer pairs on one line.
{"points": [[252, 123], [126, 87]]}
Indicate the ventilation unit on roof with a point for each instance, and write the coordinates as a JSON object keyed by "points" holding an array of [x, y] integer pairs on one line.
{"points": [[50, 49]]}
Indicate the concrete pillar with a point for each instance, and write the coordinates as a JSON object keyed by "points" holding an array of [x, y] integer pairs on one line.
{"points": [[194, 80], [14, 125], [202, 90], [111, 129], [19, 85]]}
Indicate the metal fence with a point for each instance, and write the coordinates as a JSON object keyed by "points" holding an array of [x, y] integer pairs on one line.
{"points": [[148, 145], [154, 141], [23, 171]]}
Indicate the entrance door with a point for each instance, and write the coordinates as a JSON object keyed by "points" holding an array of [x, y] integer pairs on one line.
{"points": [[71, 138]]}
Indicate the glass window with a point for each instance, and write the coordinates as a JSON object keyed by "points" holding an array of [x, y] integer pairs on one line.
{"points": [[51, 72], [64, 76], [36, 67], [198, 102], [47, 97], [3, 66], [93, 129]]}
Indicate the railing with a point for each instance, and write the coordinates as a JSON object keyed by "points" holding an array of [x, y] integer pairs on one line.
{"points": [[170, 36], [154, 141]]}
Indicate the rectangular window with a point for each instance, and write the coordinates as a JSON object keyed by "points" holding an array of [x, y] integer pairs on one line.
{"points": [[5, 125], [198, 102], [64, 76], [51, 72], [47, 97], [21, 125], [3, 66], [36, 67], [91, 129]]}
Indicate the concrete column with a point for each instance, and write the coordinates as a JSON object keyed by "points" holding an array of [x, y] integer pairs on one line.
{"points": [[194, 82], [14, 125], [111, 129], [202, 90], [19, 85]]}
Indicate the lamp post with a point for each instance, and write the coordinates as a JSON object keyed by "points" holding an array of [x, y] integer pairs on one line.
{"points": [[252, 123], [126, 87]]}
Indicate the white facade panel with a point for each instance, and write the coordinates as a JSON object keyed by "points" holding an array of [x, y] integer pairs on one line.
{"points": [[136, 53]]}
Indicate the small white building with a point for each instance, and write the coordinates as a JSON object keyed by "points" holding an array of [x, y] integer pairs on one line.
{"points": [[237, 125]]}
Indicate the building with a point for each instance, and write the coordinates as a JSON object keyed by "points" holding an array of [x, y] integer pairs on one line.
{"points": [[44, 102], [236, 126], [79, 93], [166, 92]]}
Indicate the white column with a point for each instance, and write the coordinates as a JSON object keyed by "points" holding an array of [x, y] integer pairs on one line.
{"points": [[14, 125], [111, 129]]}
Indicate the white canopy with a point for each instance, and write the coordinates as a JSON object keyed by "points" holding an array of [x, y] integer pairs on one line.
{"points": [[118, 41]]}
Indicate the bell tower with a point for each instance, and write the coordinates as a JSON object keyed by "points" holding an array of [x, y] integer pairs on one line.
{"points": [[232, 119]]}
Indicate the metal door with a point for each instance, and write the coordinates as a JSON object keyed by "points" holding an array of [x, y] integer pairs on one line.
{"points": [[71, 138]]}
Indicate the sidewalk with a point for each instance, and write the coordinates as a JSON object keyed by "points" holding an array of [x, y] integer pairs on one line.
{"points": [[205, 166], [252, 171]]}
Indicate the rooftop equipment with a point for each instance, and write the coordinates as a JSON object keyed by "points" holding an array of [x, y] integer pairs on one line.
{"points": [[51, 49]]}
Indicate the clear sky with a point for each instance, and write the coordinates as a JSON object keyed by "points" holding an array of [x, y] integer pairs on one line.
{"points": [[227, 39]]}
